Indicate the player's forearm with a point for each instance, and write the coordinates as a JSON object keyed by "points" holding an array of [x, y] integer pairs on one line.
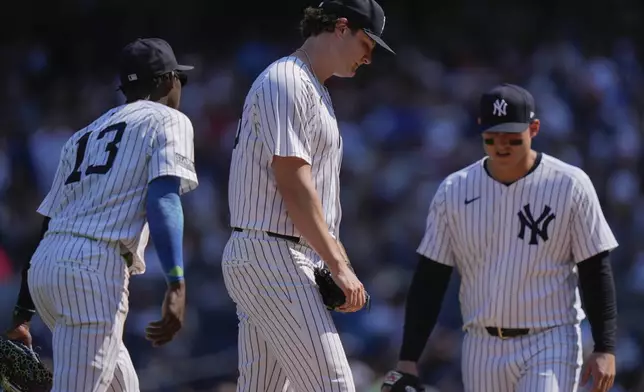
{"points": [[597, 288], [165, 218], [305, 210], [424, 301]]}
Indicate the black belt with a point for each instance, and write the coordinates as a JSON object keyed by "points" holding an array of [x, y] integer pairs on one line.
{"points": [[506, 333], [276, 235]]}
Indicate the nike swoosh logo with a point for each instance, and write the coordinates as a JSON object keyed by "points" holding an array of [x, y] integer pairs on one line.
{"points": [[471, 200]]}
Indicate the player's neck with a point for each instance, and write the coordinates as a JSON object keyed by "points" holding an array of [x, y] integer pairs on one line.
{"points": [[314, 54], [508, 175], [162, 100]]}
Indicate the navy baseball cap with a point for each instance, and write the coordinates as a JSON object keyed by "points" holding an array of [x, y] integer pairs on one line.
{"points": [[506, 108], [146, 58], [365, 14]]}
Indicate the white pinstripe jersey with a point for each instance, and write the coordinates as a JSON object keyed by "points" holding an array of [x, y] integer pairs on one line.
{"points": [[101, 182], [287, 113], [516, 246]]}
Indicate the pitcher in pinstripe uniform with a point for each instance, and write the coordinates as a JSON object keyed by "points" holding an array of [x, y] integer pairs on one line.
{"points": [[284, 200], [118, 182], [523, 229]]}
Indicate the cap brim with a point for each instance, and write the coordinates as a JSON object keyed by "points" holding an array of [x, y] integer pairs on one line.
{"points": [[184, 67], [508, 128], [379, 41]]}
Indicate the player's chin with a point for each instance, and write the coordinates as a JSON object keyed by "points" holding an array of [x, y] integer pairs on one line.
{"points": [[349, 73]]}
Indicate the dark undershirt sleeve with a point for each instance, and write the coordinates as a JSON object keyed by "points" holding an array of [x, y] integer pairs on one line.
{"points": [[597, 289], [424, 301]]}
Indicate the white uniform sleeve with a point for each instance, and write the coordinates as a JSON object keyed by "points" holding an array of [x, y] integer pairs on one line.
{"points": [[437, 242], [590, 232], [173, 151], [281, 107], [50, 203]]}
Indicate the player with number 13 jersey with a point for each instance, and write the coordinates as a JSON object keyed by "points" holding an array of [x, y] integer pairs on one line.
{"points": [[118, 183]]}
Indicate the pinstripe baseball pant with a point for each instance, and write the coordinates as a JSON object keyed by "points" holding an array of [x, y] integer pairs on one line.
{"points": [[80, 289], [549, 360], [287, 339]]}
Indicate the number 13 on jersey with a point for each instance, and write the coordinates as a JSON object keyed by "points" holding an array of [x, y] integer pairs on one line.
{"points": [[116, 132]]}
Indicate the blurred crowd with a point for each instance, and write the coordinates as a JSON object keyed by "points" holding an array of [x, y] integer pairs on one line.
{"points": [[407, 121]]}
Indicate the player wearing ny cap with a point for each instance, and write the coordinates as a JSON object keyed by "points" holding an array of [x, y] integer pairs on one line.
{"points": [[284, 201], [118, 182], [523, 229]]}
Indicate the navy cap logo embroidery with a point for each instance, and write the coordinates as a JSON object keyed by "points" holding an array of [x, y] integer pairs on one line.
{"points": [[500, 108]]}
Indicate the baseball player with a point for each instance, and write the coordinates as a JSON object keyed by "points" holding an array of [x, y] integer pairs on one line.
{"points": [[284, 201], [118, 182], [523, 229]]}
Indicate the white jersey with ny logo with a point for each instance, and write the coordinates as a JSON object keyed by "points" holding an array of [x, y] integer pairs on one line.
{"points": [[516, 246], [287, 113], [100, 185]]}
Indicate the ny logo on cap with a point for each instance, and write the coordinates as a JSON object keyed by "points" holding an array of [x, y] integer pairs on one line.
{"points": [[384, 19], [500, 108]]}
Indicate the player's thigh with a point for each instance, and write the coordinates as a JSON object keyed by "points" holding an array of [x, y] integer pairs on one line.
{"points": [[555, 360], [40, 288], [295, 324], [84, 357], [310, 349], [125, 378], [487, 364], [87, 337], [258, 367]]}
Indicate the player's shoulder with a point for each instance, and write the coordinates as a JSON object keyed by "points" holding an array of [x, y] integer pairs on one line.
{"points": [[564, 170], [464, 174], [146, 110], [288, 71]]}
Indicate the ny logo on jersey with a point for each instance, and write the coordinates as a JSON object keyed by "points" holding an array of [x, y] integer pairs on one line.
{"points": [[537, 227], [500, 108]]}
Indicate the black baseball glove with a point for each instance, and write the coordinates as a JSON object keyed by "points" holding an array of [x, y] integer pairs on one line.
{"points": [[21, 369], [332, 295], [402, 382]]}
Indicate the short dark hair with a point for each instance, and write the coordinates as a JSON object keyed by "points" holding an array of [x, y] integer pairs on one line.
{"points": [[141, 89], [316, 21]]}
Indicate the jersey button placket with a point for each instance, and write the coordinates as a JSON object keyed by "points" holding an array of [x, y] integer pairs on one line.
{"points": [[496, 284]]}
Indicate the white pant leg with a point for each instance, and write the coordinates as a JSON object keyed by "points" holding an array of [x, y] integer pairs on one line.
{"points": [[259, 369], [271, 281], [553, 360], [79, 286], [489, 364], [125, 378]]}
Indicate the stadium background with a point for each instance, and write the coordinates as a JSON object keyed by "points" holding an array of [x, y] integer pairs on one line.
{"points": [[407, 121]]}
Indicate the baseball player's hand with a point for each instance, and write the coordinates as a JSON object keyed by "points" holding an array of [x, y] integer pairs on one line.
{"points": [[162, 331], [353, 290], [601, 367], [404, 378], [20, 332]]}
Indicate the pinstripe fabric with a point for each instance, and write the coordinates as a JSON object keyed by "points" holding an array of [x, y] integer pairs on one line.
{"points": [[546, 361], [287, 339], [287, 113], [506, 280], [78, 278], [156, 141], [516, 248], [79, 287]]}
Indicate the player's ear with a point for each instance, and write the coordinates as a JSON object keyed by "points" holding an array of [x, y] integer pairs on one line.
{"points": [[534, 127], [166, 84], [341, 25]]}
